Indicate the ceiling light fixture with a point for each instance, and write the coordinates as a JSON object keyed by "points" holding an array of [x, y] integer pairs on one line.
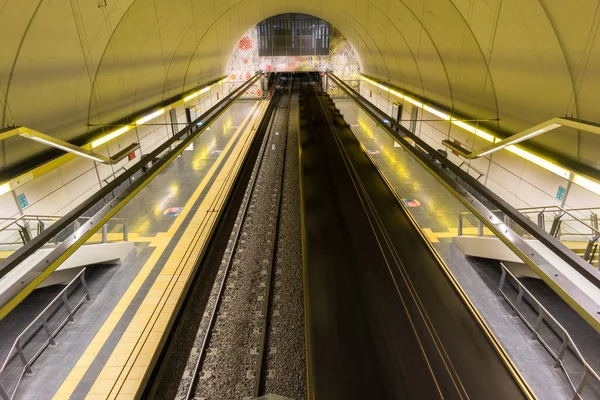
{"points": [[510, 142], [4, 188], [64, 148]]}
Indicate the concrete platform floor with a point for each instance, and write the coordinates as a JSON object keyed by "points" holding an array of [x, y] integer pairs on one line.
{"points": [[149, 223]]}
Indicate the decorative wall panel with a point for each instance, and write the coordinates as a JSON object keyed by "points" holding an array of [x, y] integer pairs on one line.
{"points": [[245, 61]]}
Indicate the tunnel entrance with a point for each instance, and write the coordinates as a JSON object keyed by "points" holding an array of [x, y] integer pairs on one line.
{"points": [[293, 43]]}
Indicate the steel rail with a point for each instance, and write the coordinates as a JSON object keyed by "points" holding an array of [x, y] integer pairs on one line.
{"points": [[237, 235], [47, 265], [266, 304]]}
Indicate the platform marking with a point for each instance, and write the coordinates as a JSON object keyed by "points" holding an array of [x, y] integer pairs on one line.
{"points": [[144, 333], [84, 362]]}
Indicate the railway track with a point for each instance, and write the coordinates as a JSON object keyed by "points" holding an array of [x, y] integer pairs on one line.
{"points": [[230, 356]]}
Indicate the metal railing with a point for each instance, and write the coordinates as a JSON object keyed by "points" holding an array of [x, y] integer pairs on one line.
{"points": [[564, 224], [41, 323], [544, 317], [559, 213], [26, 232]]}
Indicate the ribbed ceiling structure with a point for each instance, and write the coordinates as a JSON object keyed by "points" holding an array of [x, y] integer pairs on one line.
{"points": [[66, 64]]}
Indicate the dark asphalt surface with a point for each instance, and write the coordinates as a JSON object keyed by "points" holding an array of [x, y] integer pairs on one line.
{"points": [[383, 319]]}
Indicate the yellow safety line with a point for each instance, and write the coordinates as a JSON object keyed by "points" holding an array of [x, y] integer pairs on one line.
{"points": [[84, 362], [123, 372]]}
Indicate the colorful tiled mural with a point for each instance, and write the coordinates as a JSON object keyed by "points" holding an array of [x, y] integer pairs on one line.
{"points": [[245, 61]]}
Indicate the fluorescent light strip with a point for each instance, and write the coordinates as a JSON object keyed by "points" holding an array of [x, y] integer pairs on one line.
{"points": [[150, 117], [485, 153], [191, 96], [196, 94], [530, 135], [413, 101], [586, 183], [472, 129], [143, 120], [4, 188], [400, 95], [58, 146], [110, 136], [435, 112], [556, 169]]}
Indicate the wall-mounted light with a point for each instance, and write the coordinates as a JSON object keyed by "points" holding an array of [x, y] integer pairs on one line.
{"points": [[4, 188], [587, 184], [509, 143]]}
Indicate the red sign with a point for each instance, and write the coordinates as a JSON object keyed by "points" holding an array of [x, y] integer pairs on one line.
{"points": [[411, 203], [459, 144]]}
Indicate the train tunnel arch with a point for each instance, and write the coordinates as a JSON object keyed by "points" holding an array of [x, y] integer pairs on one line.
{"points": [[71, 64]]}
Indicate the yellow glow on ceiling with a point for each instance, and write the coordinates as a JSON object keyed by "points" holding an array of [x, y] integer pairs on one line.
{"points": [[149, 117], [586, 183], [111, 136], [115, 134], [196, 94], [4, 188], [533, 158]]}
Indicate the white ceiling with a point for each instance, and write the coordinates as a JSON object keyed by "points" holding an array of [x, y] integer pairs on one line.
{"points": [[67, 63]]}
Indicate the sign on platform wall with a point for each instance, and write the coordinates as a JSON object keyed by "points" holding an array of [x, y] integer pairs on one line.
{"points": [[560, 193], [22, 199]]}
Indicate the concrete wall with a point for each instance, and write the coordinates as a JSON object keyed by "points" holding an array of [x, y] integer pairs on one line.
{"points": [[518, 181], [60, 190]]}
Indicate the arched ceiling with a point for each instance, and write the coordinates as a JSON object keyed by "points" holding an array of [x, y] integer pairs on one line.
{"points": [[66, 64]]}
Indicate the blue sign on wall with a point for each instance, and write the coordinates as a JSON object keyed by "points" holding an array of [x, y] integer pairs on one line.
{"points": [[23, 203], [560, 194]]}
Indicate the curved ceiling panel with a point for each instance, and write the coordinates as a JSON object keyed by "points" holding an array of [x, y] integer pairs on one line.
{"points": [[68, 63]]}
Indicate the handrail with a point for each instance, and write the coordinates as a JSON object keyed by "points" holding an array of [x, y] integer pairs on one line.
{"points": [[26, 237], [17, 346], [543, 313], [555, 206], [567, 211]]}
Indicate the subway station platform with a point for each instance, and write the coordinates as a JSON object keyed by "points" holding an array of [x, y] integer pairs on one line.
{"points": [[106, 351], [109, 348]]}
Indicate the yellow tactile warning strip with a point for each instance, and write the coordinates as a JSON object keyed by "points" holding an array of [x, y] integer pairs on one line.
{"points": [[122, 374]]}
